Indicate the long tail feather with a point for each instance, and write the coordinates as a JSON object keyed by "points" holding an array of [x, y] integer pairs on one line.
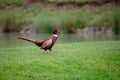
{"points": [[38, 43], [27, 39]]}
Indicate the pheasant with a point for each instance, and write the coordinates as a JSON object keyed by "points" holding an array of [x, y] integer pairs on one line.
{"points": [[45, 44]]}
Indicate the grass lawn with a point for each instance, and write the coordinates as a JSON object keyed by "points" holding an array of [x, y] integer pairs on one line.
{"points": [[71, 61]]}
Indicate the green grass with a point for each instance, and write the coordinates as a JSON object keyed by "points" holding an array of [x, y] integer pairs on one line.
{"points": [[71, 61]]}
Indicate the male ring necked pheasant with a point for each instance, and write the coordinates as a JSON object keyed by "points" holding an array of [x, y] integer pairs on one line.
{"points": [[46, 43]]}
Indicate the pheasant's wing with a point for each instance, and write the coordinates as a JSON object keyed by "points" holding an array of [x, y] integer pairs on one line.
{"points": [[47, 43]]}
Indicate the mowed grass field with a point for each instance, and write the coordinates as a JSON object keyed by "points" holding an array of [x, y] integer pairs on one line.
{"points": [[72, 61]]}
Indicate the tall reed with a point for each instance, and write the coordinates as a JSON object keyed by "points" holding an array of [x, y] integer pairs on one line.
{"points": [[116, 21]]}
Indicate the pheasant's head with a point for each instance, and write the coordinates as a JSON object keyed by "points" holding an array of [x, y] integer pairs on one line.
{"points": [[56, 31]]}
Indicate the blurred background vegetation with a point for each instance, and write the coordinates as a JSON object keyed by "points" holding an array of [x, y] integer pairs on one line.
{"points": [[68, 15]]}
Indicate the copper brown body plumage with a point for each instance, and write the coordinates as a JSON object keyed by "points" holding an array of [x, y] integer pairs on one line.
{"points": [[46, 43]]}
